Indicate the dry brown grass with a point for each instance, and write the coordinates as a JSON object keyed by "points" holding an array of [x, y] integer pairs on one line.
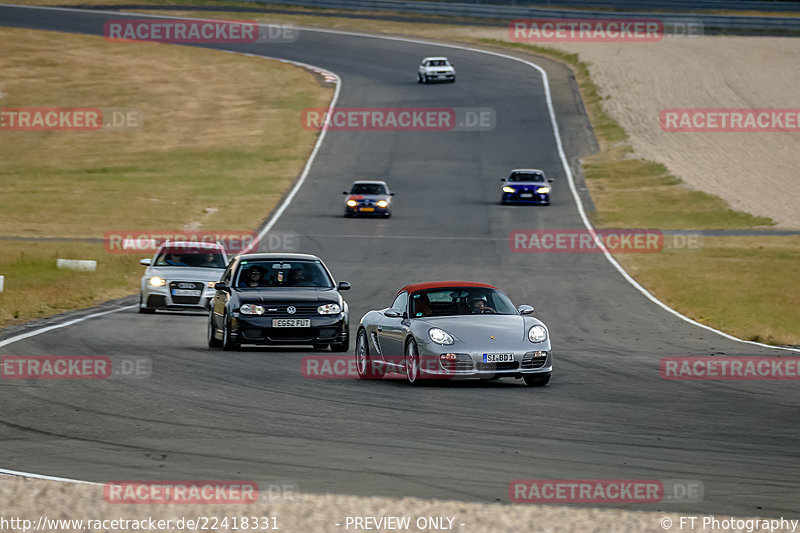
{"points": [[215, 125]]}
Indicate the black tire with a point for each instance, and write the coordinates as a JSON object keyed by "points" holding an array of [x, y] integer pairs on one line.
{"points": [[213, 342], [453, 80], [341, 346], [228, 344], [365, 366], [413, 370], [536, 380], [419, 77], [144, 310]]}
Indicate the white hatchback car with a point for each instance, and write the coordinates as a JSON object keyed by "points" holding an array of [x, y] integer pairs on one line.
{"points": [[436, 69], [181, 276]]}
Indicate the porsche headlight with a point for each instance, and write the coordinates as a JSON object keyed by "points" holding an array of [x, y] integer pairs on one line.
{"points": [[352, 203], [537, 334], [382, 203], [543, 190], [329, 309], [251, 309], [509, 189], [155, 281], [440, 336]]}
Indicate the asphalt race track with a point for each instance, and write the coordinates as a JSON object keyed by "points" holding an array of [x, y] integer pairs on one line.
{"points": [[205, 414]]}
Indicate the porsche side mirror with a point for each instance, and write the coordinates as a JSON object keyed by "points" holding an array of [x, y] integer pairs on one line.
{"points": [[391, 194], [502, 179], [550, 180], [220, 286], [145, 262], [343, 286], [393, 313], [525, 309], [344, 192]]}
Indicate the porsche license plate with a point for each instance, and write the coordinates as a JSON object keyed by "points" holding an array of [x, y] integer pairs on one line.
{"points": [[186, 292], [370, 209], [526, 195], [291, 323], [498, 357]]}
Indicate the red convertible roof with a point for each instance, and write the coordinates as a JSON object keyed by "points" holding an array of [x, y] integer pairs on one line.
{"points": [[440, 284]]}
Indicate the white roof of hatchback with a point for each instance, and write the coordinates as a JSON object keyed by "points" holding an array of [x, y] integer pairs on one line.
{"points": [[436, 59], [371, 182]]}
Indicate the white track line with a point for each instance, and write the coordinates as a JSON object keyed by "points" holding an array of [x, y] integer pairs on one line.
{"points": [[35, 332], [553, 122], [6, 472]]}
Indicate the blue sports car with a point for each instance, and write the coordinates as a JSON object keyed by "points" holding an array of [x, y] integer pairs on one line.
{"points": [[526, 186]]}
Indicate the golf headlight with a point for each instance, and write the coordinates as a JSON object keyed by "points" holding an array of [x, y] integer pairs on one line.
{"points": [[329, 309], [155, 281], [352, 203], [543, 190], [509, 189], [439, 336], [251, 309], [537, 334], [382, 203]]}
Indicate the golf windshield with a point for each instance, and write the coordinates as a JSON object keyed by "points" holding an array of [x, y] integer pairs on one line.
{"points": [[261, 274]]}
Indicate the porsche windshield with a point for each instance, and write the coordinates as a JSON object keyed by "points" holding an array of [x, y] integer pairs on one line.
{"points": [[261, 274], [460, 301], [526, 176]]}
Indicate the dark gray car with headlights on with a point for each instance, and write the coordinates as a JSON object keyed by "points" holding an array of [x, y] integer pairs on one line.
{"points": [[279, 299], [453, 329]]}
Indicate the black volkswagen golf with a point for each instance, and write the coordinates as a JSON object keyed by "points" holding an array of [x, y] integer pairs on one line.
{"points": [[279, 299]]}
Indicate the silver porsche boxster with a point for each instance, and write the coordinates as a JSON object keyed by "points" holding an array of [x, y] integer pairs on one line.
{"points": [[453, 329]]}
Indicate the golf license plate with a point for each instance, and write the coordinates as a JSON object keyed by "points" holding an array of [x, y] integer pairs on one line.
{"points": [[526, 195], [291, 323], [185, 292], [498, 357], [370, 209]]}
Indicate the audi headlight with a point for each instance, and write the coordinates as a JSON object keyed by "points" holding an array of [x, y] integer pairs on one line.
{"points": [[251, 309], [383, 203], [440, 336], [537, 334], [509, 189], [352, 203], [543, 190], [155, 281], [329, 309]]}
